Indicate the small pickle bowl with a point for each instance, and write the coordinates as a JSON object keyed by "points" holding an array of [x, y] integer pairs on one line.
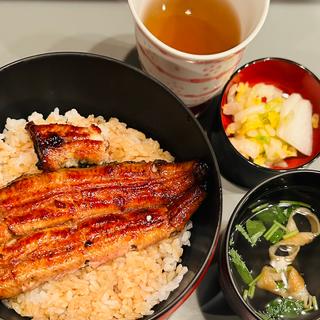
{"points": [[292, 79], [280, 200]]}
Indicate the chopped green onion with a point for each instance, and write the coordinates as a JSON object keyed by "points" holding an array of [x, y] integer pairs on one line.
{"points": [[255, 280], [251, 291], [296, 203], [290, 234], [280, 225], [245, 294], [315, 303], [273, 227], [277, 236], [259, 208], [276, 225], [271, 231]]}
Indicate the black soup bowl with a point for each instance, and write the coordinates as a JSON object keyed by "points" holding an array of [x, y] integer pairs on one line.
{"points": [[301, 186], [98, 85]]}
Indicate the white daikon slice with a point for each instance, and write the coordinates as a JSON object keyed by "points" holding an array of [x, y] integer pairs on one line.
{"points": [[248, 148], [264, 90], [295, 126]]}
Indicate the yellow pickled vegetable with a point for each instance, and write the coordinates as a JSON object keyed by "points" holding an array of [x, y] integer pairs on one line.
{"points": [[241, 92], [252, 123], [275, 104], [231, 129], [274, 118], [260, 160], [270, 130]]}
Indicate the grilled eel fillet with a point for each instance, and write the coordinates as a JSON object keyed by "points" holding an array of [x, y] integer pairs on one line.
{"points": [[27, 262], [64, 145], [44, 200]]}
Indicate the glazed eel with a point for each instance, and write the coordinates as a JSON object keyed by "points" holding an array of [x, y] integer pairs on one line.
{"points": [[53, 223]]}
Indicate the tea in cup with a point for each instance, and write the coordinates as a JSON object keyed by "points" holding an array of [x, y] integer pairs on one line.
{"points": [[190, 26], [193, 47]]}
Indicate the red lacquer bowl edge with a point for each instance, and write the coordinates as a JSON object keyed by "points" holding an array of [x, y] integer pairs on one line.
{"points": [[242, 75]]}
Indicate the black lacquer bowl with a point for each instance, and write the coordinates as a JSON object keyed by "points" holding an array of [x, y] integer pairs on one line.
{"points": [[102, 86], [299, 185]]}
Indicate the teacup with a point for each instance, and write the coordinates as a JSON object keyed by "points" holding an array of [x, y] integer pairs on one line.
{"points": [[196, 78]]}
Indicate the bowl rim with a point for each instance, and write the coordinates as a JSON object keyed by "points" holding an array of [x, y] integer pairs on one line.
{"points": [[192, 285], [236, 211], [224, 92]]}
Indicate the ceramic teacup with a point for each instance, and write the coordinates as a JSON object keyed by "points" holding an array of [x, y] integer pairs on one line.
{"points": [[195, 78]]}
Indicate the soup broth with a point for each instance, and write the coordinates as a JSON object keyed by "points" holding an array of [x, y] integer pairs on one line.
{"points": [[197, 27], [307, 262]]}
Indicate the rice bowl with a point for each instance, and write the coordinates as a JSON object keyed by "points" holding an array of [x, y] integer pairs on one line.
{"points": [[103, 86]]}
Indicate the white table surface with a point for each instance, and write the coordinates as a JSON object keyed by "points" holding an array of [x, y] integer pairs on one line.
{"points": [[292, 30]]}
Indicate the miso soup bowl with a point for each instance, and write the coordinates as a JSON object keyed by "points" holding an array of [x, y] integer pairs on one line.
{"points": [[286, 75], [299, 185]]}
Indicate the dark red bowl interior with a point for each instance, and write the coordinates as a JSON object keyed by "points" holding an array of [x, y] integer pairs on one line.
{"points": [[288, 76]]}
